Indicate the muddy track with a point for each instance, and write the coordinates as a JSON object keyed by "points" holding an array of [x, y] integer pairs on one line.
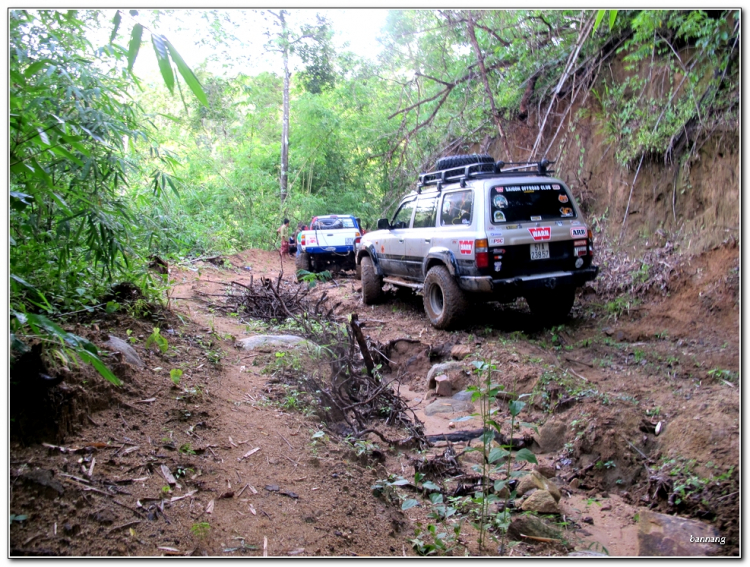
{"points": [[596, 389]]}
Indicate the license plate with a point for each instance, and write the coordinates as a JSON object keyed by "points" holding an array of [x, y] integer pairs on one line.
{"points": [[539, 251], [349, 241]]}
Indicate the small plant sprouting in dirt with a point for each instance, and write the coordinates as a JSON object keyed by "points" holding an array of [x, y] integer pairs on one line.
{"points": [[495, 459], [653, 412], [312, 279], [157, 339], [200, 530], [187, 449], [175, 374], [361, 446], [601, 465], [723, 375], [620, 306]]}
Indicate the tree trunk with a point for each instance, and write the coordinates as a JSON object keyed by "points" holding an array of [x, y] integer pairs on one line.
{"points": [[285, 118], [480, 59]]}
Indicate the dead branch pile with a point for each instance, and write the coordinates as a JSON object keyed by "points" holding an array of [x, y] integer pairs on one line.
{"points": [[279, 300], [352, 398]]}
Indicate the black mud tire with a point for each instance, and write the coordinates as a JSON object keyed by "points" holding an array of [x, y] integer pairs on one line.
{"points": [[444, 302], [358, 271], [372, 283], [552, 306], [302, 262], [450, 162]]}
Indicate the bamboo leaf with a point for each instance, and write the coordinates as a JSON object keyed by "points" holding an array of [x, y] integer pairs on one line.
{"points": [[34, 67], [134, 45], [116, 21], [187, 74], [162, 57], [612, 18], [599, 18]]}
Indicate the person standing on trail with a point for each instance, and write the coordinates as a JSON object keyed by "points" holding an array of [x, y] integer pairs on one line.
{"points": [[283, 230], [300, 227]]}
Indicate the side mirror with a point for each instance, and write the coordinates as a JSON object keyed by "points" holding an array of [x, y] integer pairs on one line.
{"points": [[383, 224]]}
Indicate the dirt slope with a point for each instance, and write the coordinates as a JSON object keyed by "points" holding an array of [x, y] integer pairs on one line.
{"points": [[603, 382]]}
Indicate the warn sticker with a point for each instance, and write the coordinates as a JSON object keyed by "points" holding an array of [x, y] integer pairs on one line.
{"points": [[464, 246], [578, 232], [540, 233]]}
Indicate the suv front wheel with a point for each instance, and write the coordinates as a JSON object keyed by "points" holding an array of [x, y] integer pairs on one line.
{"points": [[444, 302]]}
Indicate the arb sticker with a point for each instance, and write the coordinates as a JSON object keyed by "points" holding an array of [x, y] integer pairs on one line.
{"points": [[578, 231], [540, 233], [464, 246]]}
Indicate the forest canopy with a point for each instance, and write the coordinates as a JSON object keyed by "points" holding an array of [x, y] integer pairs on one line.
{"points": [[108, 170]]}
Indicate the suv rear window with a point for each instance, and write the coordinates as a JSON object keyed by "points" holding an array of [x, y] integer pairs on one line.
{"points": [[531, 202]]}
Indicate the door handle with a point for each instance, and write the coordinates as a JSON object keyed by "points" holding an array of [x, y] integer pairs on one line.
{"points": [[401, 240], [428, 240], [329, 234]]}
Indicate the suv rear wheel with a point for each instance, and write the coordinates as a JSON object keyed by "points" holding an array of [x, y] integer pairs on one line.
{"points": [[372, 283], [552, 306], [444, 302]]}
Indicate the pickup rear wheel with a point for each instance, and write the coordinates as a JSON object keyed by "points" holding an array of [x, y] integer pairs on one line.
{"points": [[444, 302], [552, 305], [372, 283], [302, 262]]}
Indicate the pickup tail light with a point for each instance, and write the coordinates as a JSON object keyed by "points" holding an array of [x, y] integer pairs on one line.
{"points": [[591, 243], [482, 255], [302, 240], [357, 240]]}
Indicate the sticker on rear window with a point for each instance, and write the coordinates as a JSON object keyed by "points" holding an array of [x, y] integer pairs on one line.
{"points": [[562, 198], [566, 212], [499, 189], [536, 218], [498, 216], [464, 246], [578, 231], [500, 201], [556, 187]]}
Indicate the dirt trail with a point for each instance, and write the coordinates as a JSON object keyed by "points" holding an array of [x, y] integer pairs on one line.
{"points": [[595, 390]]}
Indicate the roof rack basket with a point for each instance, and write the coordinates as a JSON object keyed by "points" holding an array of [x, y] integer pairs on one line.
{"points": [[477, 170]]}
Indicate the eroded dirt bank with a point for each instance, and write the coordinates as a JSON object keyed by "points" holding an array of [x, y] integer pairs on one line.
{"points": [[234, 460]]}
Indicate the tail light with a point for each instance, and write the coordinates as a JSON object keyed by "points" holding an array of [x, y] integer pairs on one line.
{"points": [[482, 257], [357, 240], [591, 243], [302, 241]]}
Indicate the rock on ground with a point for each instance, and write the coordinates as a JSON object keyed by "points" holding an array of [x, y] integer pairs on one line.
{"points": [[271, 342], [542, 502], [660, 535], [528, 525], [127, 351]]}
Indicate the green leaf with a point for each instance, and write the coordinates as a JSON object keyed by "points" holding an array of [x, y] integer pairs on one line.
{"points": [[500, 484], [515, 407], [526, 455], [429, 485], [496, 454], [134, 13], [116, 20], [100, 367], [134, 45], [34, 67], [612, 18], [409, 503], [162, 57], [187, 74], [599, 18], [175, 374]]}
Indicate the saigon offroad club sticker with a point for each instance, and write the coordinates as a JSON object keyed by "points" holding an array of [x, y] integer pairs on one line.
{"points": [[464, 246]]}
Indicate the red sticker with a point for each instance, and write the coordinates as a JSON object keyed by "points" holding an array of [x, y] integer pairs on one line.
{"points": [[541, 233], [578, 231], [464, 246]]}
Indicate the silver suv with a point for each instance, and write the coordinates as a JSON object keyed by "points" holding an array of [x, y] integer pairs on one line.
{"points": [[476, 229]]}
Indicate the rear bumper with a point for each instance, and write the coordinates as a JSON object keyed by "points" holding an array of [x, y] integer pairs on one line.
{"points": [[519, 284], [328, 249]]}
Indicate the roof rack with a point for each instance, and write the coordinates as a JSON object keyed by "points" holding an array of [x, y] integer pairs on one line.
{"points": [[477, 170]]}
